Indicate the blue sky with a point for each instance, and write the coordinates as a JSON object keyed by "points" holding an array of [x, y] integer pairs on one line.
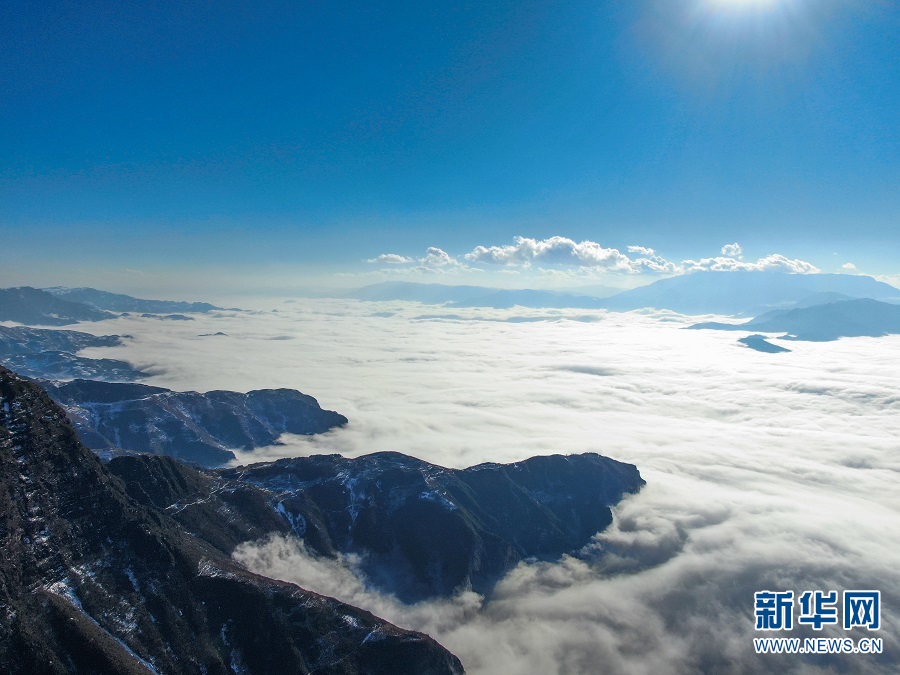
{"points": [[304, 138]]}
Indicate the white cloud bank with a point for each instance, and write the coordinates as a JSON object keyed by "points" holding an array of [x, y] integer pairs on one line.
{"points": [[526, 252], [764, 471]]}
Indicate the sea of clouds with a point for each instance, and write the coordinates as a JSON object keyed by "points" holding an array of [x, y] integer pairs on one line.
{"points": [[764, 471]]}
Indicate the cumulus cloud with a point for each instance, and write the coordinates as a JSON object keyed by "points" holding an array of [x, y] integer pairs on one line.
{"points": [[732, 250], [391, 259], [774, 262], [849, 267], [763, 471], [435, 257], [526, 253], [435, 261], [559, 250]]}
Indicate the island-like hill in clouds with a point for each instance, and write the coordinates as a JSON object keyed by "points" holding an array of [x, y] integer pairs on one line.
{"points": [[197, 428], [859, 317], [93, 580], [421, 530]]}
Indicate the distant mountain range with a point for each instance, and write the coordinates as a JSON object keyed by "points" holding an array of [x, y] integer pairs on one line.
{"points": [[64, 306], [117, 302], [819, 323], [35, 307], [748, 293], [731, 293], [197, 428], [471, 296], [96, 580]]}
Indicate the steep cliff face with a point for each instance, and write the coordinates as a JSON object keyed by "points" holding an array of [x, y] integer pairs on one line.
{"points": [[197, 428], [94, 581]]}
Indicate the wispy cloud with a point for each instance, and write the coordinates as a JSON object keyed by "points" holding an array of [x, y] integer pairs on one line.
{"points": [[391, 259], [435, 261]]}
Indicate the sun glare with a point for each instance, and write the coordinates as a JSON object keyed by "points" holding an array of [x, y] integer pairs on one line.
{"points": [[744, 4]]}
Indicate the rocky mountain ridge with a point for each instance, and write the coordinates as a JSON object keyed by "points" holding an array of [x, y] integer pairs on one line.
{"points": [[421, 530]]}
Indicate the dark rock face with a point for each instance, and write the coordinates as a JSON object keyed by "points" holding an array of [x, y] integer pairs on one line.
{"points": [[118, 302], [94, 581], [197, 428], [427, 531], [51, 354], [224, 513], [32, 306]]}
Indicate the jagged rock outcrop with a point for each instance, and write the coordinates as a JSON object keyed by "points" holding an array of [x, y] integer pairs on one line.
{"points": [[94, 581]]}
